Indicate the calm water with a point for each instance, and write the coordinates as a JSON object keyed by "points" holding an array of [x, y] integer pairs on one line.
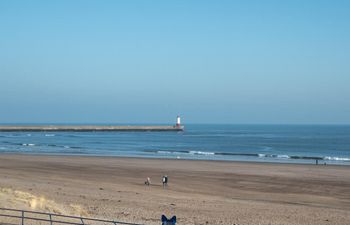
{"points": [[273, 143]]}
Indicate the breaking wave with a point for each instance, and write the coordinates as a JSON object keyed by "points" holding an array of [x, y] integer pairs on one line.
{"points": [[259, 155], [336, 158], [201, 153], [26, 144]]}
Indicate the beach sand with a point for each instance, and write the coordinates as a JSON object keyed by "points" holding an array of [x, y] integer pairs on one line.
{"points": [[199, 192]]}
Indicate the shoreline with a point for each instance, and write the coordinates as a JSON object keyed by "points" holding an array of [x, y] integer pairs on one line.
{"points": [[199, 191], [176, 159]]}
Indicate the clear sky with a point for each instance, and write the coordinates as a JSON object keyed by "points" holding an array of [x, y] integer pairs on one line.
{"points": [[147, 61]]}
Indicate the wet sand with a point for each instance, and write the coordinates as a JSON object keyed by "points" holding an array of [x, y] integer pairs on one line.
{"points": [[199, 192]]}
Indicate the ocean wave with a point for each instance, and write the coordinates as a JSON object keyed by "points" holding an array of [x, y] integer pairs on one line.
{"points": [[26, 144], [259, 155], [75, 147], [274, 156], [201, 153], [307, 157], [167, 151], [283, 156], [192, 152], [53, 145], [64, 146], [336, 158], [50, 135], [164, 152], [237, 154]]}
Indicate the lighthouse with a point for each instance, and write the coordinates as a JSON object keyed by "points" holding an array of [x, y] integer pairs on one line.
{"points": [[178, 121]]}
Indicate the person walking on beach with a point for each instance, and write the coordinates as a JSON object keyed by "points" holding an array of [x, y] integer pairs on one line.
{"points": [[148, 181], [165, 181]]}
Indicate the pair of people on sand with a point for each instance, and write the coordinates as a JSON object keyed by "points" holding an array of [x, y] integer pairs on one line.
{"points": [[164, 181]]}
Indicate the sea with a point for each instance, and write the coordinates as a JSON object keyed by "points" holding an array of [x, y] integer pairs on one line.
{"points": [[326, 144]]}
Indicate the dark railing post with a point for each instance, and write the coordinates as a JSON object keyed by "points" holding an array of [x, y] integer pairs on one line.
{"points": [[50, 219], [82, 222], [22, 217]]}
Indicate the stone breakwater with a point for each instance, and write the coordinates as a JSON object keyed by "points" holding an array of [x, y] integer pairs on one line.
{"points": [[88, 128]]}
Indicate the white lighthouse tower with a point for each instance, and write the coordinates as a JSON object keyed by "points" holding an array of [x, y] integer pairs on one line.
{"points": [[178, 121]]}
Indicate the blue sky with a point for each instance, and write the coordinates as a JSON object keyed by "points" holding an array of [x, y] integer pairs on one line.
{"points": [[147, 61]]}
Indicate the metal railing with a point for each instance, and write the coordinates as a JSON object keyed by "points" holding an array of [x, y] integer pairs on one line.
{"points": [[51, 218]]}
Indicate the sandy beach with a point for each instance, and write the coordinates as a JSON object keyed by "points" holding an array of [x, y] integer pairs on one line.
{"points": [[199, 192]]}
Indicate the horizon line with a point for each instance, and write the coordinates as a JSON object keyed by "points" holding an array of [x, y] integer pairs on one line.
{"points": [[158, 123]]}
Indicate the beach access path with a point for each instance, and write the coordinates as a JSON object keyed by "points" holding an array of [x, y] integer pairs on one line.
{"points": [[199, 192]]}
